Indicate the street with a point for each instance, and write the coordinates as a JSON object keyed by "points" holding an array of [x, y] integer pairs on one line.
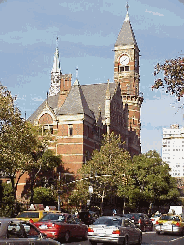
{"points": [[149, 238]]}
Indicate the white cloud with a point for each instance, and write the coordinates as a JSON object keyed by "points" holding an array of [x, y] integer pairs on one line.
{"points": [[154, 13], [39, 98]]}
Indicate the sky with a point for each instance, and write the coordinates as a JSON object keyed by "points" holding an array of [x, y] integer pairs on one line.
{"points": [[87, 31]]}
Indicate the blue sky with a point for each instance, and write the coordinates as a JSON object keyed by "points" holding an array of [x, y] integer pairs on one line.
{"points": [[87, 32]]}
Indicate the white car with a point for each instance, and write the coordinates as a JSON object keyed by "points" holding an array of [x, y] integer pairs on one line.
{"points": [[115, 230]]}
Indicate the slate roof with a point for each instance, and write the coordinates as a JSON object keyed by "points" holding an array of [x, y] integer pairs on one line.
{"points": [[75, 102], [52, 102], [126, 35], [84, 99], [95, 96]]}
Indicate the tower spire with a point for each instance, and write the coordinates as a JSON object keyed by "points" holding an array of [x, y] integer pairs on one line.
{"points": [[55, 73], [127, 14]]}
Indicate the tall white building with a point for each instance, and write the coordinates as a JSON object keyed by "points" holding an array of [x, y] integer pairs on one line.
{"points": [[173, 149]]}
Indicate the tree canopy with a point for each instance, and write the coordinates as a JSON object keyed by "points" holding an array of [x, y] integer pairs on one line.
{"points": [[149, 181], [105, 171], [173, 76], [21, 149]]}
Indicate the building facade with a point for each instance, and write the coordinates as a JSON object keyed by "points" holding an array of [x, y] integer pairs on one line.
{"points": [[173, 149], [78, 115]]}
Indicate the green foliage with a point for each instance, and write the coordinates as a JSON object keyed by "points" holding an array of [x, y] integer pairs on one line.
{"points": [[149, 181], [105, 171], [21, 149], [173, 73], [8, 201], [44, 196]]}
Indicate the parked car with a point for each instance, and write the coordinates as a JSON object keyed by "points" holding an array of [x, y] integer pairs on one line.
{"points": [[141, 220], [16, 232], [114, 229], [32, 216], [62, 225], [88, 217], [155, 217], [169, 223]]}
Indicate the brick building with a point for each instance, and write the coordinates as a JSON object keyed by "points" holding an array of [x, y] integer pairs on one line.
{"points": [[78, 115]]}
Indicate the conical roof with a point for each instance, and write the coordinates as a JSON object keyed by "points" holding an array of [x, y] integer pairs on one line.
{"points": [[126, 35]]}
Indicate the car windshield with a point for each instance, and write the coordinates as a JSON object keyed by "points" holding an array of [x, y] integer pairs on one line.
{"points": [[58, 217], [170, 217], [28, 215], [132, 216], [108, 222]]}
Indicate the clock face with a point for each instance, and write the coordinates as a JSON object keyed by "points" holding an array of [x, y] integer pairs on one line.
{"points": [[124, 60]]}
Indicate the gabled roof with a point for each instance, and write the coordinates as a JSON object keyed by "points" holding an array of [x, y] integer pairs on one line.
{"points": [[75, 102], [126, 35], [52, 102], [85, 99], [95, 95]]}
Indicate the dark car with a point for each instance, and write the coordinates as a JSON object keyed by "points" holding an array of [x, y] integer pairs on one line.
{"points": [[141, 220], [17, 232], [88, 217], [115, 230], [62, 226]]}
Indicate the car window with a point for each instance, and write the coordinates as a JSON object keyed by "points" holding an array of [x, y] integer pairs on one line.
{"points": [[28, 215], [31, 231], [170, 217], [108, 222], [16, 230], [51, 216]]}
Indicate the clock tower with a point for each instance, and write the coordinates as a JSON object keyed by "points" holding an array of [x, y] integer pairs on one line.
{"points": [[126, 72]]}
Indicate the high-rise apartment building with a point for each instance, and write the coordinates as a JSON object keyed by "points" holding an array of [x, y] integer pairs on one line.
{"points": [[173, 149]]}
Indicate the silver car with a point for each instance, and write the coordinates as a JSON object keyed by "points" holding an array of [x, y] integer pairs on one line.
{"points": [[18, 232], [114, 229]]}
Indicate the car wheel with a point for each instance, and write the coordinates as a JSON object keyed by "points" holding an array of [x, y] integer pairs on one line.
{"points": [[92, 242], [67, 236], [126, 242], [158, 232], [140, 240]]}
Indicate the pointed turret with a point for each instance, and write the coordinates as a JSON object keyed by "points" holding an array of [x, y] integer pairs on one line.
{"points": [[126, 35], [55, 74]]}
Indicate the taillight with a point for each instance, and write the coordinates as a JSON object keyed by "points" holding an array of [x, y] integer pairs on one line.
{"points": [[140, 221], [156, 223], [55, 226], [31, 221], [177, 224], [90, 229], [116, 232]]}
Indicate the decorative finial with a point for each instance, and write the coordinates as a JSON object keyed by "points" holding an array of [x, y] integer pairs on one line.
{"points": [[127, 6], [77, 72], [127, 15], [57, 42]]}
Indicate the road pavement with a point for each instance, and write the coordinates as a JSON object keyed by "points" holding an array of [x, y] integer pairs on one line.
{"points": [[148, 238]]}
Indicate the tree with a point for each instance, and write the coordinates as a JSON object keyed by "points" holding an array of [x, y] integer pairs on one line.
{"points": [[42, 161], [44, 195], [149, 182], [21, 149], [105, 171], [173, 76], [7, 202], [17, 139]]}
